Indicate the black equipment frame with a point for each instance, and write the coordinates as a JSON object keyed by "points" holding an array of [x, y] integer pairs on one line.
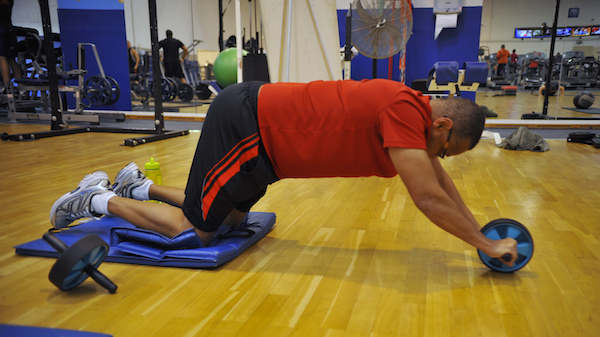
{"points": [[59, 128]]}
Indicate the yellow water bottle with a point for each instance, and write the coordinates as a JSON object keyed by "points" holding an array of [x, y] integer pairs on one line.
{"points": [[153, 171]]}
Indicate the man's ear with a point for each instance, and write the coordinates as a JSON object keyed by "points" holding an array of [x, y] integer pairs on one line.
{"points": [[442, 122]]}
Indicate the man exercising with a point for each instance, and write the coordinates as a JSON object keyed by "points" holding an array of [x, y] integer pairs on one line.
{"points": [[255, 134]]}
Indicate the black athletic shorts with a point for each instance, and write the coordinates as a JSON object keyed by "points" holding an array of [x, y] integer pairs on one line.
{"points": [[6, 41], [231, 169], [173, 68]]}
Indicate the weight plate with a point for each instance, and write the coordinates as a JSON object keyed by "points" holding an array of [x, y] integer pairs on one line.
{"points": [[151, 88], [115, 90], [172, 93], [507, 228], [69, 269], [168, 90], [185, 92], [98, 90], [202, 91]]}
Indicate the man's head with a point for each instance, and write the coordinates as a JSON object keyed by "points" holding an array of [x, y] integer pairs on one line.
{"points": [[457, 124], [502, 46], [169, 33]]}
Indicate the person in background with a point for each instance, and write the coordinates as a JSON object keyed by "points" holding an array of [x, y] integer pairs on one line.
{"points": [[8, 43], [557, 58], [134, 58], [171, 60], [512, 66], [502, 57], [514, 57]]}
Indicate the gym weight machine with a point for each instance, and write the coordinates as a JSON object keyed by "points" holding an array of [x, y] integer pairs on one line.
{"points": [[98, 90], [549, 69], [578, 71], [170, 89], [58, 127]]}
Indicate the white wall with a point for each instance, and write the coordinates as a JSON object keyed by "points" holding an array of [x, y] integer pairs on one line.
{"points": [[199, 19], [313, 49], [188, 19], [26, 13], [501, 17]]}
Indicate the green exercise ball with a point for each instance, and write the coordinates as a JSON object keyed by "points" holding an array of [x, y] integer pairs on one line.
{"points": [[225, 67]]}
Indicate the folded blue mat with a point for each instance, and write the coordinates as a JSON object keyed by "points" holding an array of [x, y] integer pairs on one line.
{"points": [[32, 331], [129, 244]]}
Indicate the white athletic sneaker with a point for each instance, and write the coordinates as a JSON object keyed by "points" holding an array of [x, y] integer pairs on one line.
{"points": [[77, 204], [129, 178]]}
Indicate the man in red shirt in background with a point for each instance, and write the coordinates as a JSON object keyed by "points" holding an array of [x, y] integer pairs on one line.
{"points": [[514, 57], [255, 134], [513, 62], [502, 57]]}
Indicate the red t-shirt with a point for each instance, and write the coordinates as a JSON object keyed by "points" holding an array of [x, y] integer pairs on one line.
{"points": [[340, 128]]}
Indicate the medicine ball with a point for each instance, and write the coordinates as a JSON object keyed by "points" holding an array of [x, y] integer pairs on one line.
{"points": [[583, 100], [225, 67]]}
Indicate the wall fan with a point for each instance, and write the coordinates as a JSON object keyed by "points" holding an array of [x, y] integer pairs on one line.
{"points": [[380, 28]]}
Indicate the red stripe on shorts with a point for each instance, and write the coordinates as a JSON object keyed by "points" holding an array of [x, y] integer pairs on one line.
{"points": [[226, 169]]}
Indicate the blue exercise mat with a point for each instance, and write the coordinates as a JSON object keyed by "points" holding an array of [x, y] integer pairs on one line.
{"points": [[129, 244], [32, 331]]}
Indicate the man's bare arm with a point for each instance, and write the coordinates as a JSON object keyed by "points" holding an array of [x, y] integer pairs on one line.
{"points": [[185, 53], [448, 185], [419, 175]]}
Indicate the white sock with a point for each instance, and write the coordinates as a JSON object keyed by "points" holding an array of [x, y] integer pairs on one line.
{"points": [[100, 202], [142, 192]]}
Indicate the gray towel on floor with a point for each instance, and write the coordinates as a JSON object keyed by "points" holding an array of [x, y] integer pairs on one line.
{"points": [[523, 139]]}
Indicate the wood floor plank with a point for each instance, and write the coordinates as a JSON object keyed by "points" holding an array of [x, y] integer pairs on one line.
{"points": [[347, 257]]}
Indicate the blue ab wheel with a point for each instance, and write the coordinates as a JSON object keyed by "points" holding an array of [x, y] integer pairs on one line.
{"points": [[80, 261], [507, 228]]}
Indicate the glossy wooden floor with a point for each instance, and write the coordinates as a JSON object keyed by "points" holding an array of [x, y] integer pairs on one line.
{"points": [[528, 101], [348, 257]]}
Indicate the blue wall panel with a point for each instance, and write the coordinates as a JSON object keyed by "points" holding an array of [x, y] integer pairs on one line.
{"points": [[459, 44], [105, 29], [422, 50], [91, 4]]}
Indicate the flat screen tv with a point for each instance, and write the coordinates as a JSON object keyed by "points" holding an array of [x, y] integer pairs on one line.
{"points": [[523, 33], [563, 31], [581, 31], [540, 33]]}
